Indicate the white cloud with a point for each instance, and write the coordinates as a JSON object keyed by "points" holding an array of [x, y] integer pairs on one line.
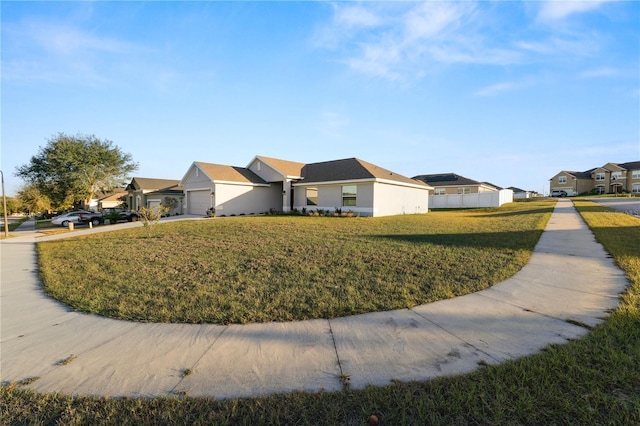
{"points": [[355, 17], [496, 89], [600, 72], [66, 40], [557, 10]]}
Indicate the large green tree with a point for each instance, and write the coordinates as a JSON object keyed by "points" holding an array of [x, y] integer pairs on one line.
{"points": [[71, 170], [32, 201]]}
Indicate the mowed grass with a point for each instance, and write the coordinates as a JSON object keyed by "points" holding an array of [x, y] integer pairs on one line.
{"points": [[591, 381], [284, 268]]}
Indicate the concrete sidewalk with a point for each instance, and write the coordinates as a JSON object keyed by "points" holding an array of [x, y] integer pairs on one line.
{"points": [[569, 284]]}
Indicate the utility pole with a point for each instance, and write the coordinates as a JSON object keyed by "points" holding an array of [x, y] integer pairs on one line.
{"points": [[4, 209]]}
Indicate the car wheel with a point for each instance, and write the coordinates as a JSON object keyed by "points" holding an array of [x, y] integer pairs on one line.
{"points": [[95, 222], [133, 218], [64, 223]]}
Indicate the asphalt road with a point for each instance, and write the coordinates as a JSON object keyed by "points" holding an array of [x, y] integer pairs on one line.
{"points": [[625, 205]]}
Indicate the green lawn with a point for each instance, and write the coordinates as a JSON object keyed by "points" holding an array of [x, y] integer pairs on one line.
{"points": [[591, 381], [284, 268]]}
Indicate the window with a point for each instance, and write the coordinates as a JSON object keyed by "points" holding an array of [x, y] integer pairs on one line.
{"points": [[635, 174], [463, 191], [635, 188], [600, 189], [349, 193], [599, 176], [312, 196], [440, 191], [562, 179], [616, 175]]}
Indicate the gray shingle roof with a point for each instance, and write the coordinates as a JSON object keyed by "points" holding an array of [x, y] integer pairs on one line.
{"points": [[350, 169], [446, 179]]}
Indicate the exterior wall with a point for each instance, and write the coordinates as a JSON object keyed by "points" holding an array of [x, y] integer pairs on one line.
{"points": [[156, 199], [473, 189], [633, 184], [233, 199], [195, 182], [372, 199], [394, 199], [265, 172], [484, 199], [570, 186]]}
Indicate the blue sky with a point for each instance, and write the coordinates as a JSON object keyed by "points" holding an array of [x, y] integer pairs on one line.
{"points": [[505, 92]]}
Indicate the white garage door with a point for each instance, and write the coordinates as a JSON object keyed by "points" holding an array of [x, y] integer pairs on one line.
{"points": [[198, 202]]}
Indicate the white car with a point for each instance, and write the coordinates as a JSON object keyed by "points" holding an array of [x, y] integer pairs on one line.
{"points": [[65, 219]]}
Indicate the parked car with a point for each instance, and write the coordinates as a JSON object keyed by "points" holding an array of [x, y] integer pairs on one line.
{"points": [[91, 217], [558, 193], [123, 214], [66, 218]]}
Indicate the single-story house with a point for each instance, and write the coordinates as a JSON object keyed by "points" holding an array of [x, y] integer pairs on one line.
{"points": [[151, 192], [521, 193], [451, 183], [270, 184], [105, 200]]}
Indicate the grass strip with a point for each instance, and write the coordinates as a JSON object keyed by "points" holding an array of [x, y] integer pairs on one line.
{"points": [[283, 268], [593, 380]]}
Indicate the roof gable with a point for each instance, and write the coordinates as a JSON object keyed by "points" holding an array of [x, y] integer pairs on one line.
{"points": [[220, 172], [153, 184], [284, 167]]}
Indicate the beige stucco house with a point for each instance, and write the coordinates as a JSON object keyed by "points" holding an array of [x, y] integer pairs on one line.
{"points": [[270, 184], [612, 178], [150, 193]]}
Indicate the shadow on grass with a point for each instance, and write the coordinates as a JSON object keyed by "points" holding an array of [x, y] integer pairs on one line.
{"points": [[512, 240]]}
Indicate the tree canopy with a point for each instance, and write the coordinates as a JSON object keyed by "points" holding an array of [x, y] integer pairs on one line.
{"points": [[72, 169]]}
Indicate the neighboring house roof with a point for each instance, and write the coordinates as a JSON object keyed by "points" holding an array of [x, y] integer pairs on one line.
{"points": [[286, 168], [114, 195], [220, 172], [447, 179], [138, 183], [490, 184], [514, 189], [633, 165], [350, 169]]}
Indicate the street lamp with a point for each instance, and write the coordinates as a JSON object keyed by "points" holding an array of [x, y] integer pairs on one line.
{"points": [[4, 208]]}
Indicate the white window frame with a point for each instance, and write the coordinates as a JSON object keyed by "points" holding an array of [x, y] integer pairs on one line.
{"points": [[562, 179], [600, 176], [464, 190], [309, 199], [440, 191], [635, 174], [635, 188], [349, 195]]}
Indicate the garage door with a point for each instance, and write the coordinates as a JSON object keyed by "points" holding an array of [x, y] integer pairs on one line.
{"points": [[198, 202]]}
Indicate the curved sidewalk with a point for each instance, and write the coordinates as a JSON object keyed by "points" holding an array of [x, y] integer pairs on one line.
{"points": [[568, 286]]}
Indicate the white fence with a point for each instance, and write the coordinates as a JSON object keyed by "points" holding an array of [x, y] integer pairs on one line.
{"points": [[481, 199]]}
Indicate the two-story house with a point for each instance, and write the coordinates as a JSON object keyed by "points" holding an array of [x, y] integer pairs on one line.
{"points": [[612, 178]]}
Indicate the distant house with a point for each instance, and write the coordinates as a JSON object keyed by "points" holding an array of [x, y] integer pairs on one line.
{"points": [[451, 183], [105, 200], [150, 193], [270, 184], [521, 193], [612, 178]]}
